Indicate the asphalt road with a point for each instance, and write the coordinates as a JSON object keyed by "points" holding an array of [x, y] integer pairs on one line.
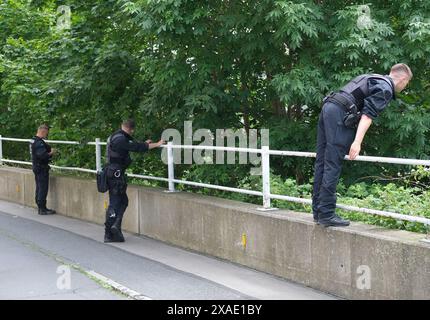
{"points": [[38, 252]]}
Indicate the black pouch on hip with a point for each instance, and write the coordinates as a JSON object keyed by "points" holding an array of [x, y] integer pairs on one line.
{"points": [[352, 117], [102, 184]]}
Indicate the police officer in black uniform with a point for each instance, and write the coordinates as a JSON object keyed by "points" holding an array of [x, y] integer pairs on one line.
{"points": [[118, 159], [41, 154], [344, 120]]}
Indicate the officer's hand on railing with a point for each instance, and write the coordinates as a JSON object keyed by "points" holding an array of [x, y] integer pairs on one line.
{"points": [[161, 142], [156, 145], [354, 151], [148, 141]]}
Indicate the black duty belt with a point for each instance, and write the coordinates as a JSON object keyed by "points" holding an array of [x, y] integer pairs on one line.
{"points": [[116, 161], [117, 164], [339, 100], [41, 165]]}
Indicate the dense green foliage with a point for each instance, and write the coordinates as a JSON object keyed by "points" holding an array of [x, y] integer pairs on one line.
{"points": [[222, 64]]}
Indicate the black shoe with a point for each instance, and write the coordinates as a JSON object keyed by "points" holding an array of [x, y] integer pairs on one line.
{"points": [[42, 212], [50, 211], [108, 234], [117, 234], [45, 211], [116, 230], [333, 221], [110, 238]]}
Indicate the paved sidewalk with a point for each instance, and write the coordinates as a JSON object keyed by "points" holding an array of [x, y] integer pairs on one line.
{"points": [[36, 245]]}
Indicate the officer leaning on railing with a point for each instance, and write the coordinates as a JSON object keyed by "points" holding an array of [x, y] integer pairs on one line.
{"points": [[345, 117], [119, 146], [41, 154]]}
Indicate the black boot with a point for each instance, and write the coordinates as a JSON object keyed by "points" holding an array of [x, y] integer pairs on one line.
{"points": [[110, 220], [333, 221], [41, 208], [45, 211], [42, 211], [108, 236], [116, 229], [50, 211]]}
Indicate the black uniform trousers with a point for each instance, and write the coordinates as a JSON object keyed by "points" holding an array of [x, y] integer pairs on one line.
{"points": [[118, 199], [333, 143], [41, 175]]}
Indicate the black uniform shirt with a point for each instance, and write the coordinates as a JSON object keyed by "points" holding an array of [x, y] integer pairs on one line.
{"points": [[380, 95], [121, 143], [40, 151]]}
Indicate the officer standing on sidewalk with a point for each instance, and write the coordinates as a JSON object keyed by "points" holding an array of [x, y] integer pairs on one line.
{"points": [[41, 154], [344, 120], [118, 159]]}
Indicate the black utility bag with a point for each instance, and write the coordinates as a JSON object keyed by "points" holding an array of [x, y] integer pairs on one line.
{"points": [[102, 183]]}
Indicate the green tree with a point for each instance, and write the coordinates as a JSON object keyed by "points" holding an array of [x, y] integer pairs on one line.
{"points": [[223, 64]]}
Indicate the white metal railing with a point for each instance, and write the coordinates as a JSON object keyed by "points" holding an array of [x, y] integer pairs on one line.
{"points": [[265, 163]]}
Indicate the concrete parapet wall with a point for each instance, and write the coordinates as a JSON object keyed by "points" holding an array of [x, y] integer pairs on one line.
{"points": [[358, 262]]}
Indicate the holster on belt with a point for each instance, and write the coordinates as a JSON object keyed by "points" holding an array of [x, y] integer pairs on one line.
{"points": [[352, 116]]}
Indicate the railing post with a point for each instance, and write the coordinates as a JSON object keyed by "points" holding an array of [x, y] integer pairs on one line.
{"points": [[265, 162], [98, 155], [265, 173], [1, 151], [170, 166]]}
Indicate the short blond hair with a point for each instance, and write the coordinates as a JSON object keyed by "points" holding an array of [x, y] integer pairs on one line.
{"points": [[402, 68], [43, 127]]}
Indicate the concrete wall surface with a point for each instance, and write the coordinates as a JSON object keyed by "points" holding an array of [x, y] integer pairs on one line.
{"points": [[358, 262]]}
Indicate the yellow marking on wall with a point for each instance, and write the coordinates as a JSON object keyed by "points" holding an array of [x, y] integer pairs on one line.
{"points": [[17, 188], [243, 240], [105, 204]]}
